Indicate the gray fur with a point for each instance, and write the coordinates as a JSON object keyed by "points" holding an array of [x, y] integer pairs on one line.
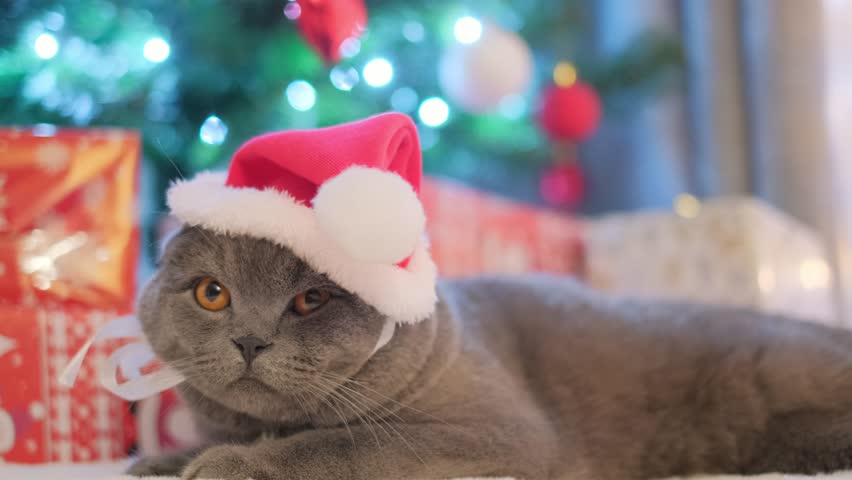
{"points": [[533, 377]]}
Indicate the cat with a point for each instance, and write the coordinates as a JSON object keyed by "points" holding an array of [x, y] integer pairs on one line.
{"points": [[533, 377]]}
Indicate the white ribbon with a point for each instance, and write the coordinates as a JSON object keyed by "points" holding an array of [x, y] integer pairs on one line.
{"points": [[128, 359], [131, 358]]}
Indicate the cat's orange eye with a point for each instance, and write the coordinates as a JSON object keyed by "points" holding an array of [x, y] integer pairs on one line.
{"points": [[212, 295], [310, 300]]}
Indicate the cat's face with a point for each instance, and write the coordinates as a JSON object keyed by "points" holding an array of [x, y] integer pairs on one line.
{"points": [[252, 326]]}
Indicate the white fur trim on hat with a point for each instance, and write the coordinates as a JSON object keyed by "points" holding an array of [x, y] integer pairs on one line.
{"points": [[407, 295], [373, 214]]}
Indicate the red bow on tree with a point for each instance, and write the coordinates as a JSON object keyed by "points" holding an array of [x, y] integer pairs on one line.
{"points": [[326, 24]]}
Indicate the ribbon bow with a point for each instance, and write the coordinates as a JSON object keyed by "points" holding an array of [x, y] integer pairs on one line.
{"points": [[128, 360]]}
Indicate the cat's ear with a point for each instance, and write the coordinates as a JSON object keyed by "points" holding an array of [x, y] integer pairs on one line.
{"points": [[167, 230]]}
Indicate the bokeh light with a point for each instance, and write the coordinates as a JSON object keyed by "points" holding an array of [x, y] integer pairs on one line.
{"points": [[301, 95], [413, 31], [213, 131], [433, 112], [404, 99], [564, 74], [350, 47], [343, 78], [46, 46], [292, 10], [378, 72], [467, 30], [156, 50]]}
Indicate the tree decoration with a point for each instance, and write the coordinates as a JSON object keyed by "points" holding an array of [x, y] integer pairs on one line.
{"points": [[478, 74], [563, 184], [570, 112], [570, 109], [327, 24]]}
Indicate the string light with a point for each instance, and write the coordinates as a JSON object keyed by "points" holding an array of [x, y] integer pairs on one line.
{"points": [[213, 131], [54, 21], [428, 138], [403, 99], [378, 72], [564, 75], [350, 47], [46, 46], [292, 10], [814, 274], [467, 30], [343, 78], [301, 95], [687, 206], [413, 31], [156, 50], [433, 112]]}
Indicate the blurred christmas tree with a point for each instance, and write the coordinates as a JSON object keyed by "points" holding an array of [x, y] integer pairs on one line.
{"points": [[199, 77]]}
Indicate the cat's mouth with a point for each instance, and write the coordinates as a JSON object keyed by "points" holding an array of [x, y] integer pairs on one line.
{"points": [[250, 383]]}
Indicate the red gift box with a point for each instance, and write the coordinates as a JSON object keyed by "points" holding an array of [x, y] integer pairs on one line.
{"points": [[68, 252], [473, 232], [41, 421], [68, 229]]}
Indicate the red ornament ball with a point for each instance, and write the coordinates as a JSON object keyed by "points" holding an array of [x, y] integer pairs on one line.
{"points": [[570, 113], [563, 185], [327, 24]]}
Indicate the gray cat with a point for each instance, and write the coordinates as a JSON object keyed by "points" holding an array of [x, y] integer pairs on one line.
{"points": [[530, 377]]}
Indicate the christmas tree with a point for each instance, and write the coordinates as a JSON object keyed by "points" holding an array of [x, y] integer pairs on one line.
{"points": [[198, 78]]}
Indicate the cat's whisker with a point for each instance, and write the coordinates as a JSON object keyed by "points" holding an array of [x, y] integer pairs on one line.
{"points": [[364, 417], [386, 422], [371, 402], [304, 408], [343, 379], [327, 402]]}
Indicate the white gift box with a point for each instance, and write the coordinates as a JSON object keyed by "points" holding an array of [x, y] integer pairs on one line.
{"points": [[732, 251]]}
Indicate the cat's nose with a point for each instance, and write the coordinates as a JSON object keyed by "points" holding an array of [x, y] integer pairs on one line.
{"points": [[250, 347]]}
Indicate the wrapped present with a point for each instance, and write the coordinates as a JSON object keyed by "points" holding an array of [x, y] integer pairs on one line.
{"points": [[474, 232], [69, 247], [731, 251], [68, 230], [41, 421]]}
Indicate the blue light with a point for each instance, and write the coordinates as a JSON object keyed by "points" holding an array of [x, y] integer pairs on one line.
{"points": [[413, 31], [156, 50], [343, 78], [433, 112], [213, 131], [301, 95], [467, 30], [46, 46], [378, 72], [404, 99]]}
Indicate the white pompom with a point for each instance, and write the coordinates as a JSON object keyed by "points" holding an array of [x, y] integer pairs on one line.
{"points": [[374, 215]]}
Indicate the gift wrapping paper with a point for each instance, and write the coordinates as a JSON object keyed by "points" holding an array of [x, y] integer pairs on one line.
{"points": [[734, 251]]}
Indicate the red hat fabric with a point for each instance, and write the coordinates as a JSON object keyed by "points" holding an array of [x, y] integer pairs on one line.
{"points": [[344, 198], [299, 161]]}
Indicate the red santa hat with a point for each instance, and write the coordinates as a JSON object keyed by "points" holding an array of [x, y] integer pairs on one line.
{"points": [[344, 198]]}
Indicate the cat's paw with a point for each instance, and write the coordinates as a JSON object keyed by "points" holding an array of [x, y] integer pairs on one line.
{"points": [[226, 462], [165, 465]]}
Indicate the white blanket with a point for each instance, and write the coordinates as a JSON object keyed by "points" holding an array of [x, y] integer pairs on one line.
{"points": [[111, 471]]}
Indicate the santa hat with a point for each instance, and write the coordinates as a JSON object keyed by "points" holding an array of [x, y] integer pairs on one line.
{"points": [[344, 198]]}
